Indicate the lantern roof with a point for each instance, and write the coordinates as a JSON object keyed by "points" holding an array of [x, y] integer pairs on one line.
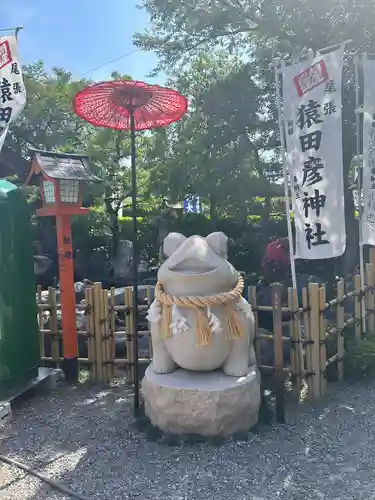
{"points": [[60, 166]]}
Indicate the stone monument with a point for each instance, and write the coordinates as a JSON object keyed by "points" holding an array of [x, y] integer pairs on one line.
{"points": [[123, 262], [203, 378]]}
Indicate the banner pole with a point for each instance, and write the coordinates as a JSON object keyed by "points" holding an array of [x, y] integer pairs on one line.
{"points": [[286, 181], [288, 205], [16, 29], [325, 50], [310, 54], [358, 112]]}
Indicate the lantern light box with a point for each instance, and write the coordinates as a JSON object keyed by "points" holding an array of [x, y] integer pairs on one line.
{"points": [[62, 179]]}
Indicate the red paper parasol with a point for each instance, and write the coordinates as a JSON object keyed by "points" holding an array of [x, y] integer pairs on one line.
{"points": [[111, 104], [130, 105]]}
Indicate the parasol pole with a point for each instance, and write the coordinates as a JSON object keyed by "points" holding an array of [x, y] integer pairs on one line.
{"points": [[113, 105], [135, 262]]}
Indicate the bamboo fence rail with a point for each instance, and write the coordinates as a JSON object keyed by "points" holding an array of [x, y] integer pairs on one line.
{"points": [[308, 332]]}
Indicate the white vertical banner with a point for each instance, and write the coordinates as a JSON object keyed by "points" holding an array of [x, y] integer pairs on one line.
{"points": [[368, 182], [12, 89], [313, 131]]}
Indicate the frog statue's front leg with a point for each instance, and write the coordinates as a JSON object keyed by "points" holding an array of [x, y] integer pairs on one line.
{"points": [[162, 361], [242, 354]]}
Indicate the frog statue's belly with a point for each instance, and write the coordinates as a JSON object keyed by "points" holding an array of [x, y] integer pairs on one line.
{"points": [[185, 350]]}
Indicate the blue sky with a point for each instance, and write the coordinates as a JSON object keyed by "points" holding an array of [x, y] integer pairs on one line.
{"points": [[80, 35]]}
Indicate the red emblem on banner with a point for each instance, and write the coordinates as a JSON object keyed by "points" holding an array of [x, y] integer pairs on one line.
{"points": [[311, 78], [5, 54]]}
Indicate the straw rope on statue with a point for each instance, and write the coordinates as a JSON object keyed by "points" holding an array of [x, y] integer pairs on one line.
{"points": [[206, 321]]}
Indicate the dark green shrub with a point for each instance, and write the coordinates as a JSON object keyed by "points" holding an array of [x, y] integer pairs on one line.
{"points": [[90, 231], [248, 238], [147, 236], [360, 357]]}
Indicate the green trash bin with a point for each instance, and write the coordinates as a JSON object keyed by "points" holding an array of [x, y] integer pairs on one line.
{"points": [[19, 337]]}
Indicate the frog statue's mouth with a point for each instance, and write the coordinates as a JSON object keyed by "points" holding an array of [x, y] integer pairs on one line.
{"points": [[192, 265]]}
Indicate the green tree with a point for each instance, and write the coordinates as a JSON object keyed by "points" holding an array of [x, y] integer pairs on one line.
{"points": [[110, 154], [215, 150], [262, 31], [49, 123], [184, 27]]}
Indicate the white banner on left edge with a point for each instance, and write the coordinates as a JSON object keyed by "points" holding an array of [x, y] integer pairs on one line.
{"points": [[313, 130], [12, 89], [3, 134]]}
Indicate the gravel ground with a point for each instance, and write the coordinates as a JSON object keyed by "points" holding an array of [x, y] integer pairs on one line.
{"points": [[85, 437]]}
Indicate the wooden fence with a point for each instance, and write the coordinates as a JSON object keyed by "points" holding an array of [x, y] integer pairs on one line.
{"points": [[310, 352]]}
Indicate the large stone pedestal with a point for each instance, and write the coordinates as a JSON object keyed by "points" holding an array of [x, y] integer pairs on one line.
{"points": [[209, 404]]}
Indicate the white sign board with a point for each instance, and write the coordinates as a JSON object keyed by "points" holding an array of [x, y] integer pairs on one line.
{"points": [[368, 216], [313, 129], [12, 89]]}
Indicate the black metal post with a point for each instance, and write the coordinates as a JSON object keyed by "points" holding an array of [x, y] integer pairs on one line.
{"points": [[135, 264]]}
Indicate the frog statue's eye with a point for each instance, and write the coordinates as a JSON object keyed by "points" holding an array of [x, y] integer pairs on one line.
{"points": [[172, 242], [218, 241]]}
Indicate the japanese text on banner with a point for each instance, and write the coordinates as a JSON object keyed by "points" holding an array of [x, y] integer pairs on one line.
{"points": [[313, 129], [368, 218], [12, 90]]}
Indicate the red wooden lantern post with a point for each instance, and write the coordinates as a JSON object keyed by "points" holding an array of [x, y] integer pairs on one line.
{"points": [[62, 178]]}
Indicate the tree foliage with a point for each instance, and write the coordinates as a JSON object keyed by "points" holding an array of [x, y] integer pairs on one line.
{"points": [[181, 28], [223, 149], [215, 150], [257, 33], [49, 123]]}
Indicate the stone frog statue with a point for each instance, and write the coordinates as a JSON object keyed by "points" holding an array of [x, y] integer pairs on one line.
{"points": [[199, 320]]}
